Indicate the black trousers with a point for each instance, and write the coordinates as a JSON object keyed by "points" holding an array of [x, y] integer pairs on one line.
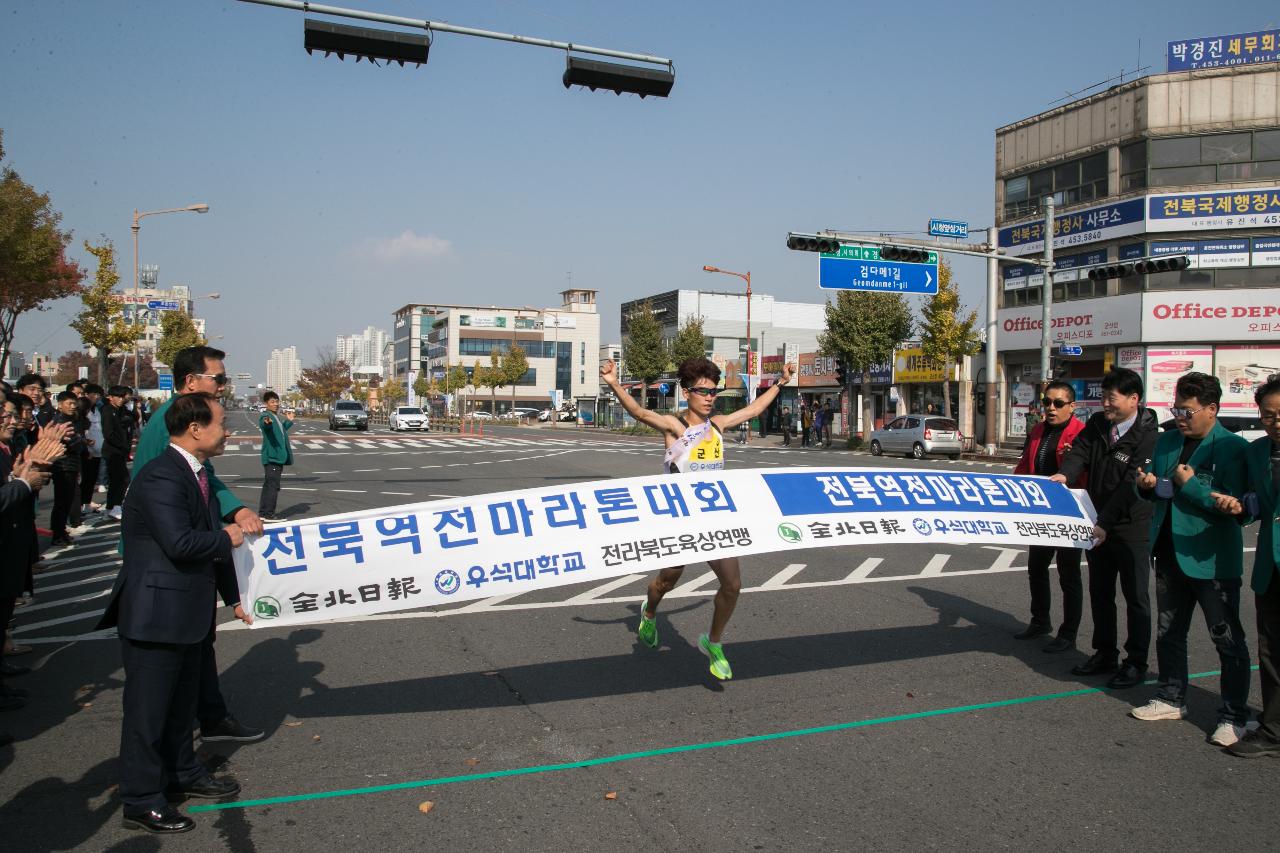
{"points": [[271, 474], [6, 613], [66, 495], [160, 686], [89, 466], [211, 708], [1269, 657], [1129, 562], [117, 478], [1038, 561]]}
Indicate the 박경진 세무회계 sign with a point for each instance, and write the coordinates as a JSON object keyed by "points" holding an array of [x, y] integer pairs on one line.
{"points": [[404, 557]]}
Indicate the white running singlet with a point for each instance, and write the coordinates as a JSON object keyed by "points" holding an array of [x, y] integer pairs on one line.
{"points": [[700, 448]]}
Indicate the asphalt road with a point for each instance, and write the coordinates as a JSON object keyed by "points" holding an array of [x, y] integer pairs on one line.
{"points": [[879, 701]]}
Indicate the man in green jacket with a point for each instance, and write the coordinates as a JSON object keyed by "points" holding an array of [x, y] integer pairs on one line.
{"points": [[1263, 502], [201, 369], [276, 453], [1198, 553]]}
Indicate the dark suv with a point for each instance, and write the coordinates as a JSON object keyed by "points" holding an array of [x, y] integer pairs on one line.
{"points": [[348, 413]]}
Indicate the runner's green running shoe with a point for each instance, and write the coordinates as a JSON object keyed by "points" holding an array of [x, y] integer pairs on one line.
{"points": [[719, 666], [648, 630]]}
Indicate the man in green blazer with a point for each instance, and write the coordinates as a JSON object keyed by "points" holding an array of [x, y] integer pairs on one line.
{"points": [[276, 453], [1263, 464], [195, 369], [1198, 553]]}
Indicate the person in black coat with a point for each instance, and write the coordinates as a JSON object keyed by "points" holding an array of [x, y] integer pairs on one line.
{"points": [[177, 560], [1114, 445], [116, 446], [19, 480], [66, 471]]}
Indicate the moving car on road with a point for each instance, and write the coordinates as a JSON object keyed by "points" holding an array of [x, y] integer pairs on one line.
{"points": [[348, 413], [408, 417], [918, 436]]}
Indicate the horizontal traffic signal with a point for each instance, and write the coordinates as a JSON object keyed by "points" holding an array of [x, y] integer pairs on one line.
{"points": [[908, 254], [618, 78], [366, 43], [811, 243], [1142, 266]]}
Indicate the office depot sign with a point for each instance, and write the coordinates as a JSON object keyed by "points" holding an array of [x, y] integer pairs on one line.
{"points": [[1211, 315], [1088, 322]]}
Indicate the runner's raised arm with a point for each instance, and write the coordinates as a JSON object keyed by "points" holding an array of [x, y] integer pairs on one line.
{"points": [[664, 423]]}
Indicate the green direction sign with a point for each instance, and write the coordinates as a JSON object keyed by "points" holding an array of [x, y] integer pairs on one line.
{"points": [[867, 253]]}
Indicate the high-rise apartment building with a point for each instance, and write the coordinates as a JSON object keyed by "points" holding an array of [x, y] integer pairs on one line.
{"points": [[283, 369], [362, 352]]}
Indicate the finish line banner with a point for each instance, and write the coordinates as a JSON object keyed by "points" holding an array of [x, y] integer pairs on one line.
{"points": [[418, 555]]}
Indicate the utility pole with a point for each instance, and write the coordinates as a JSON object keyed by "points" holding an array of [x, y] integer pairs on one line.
{"points": [[993, 388], [1046, 290]]}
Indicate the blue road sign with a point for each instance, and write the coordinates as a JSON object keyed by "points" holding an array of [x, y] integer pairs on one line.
{"points": [[165, 382], [1071, 349], [948, 228], [163, 305], [860, 268]]}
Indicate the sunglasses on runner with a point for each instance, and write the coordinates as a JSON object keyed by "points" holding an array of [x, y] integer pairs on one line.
{"points": [[704, 392], [220, 378], [1057, 404]]}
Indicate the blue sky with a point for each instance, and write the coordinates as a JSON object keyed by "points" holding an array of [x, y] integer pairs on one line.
{"points": [[339, 192]]}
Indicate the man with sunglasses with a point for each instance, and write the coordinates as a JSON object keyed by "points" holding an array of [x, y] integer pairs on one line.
{"points": [[1199, 553], [1046, 446], [1110, 449], [201, 369], [695, 443]]}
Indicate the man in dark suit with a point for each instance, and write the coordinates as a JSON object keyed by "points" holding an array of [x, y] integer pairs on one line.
{"points": [[177, 559], [1112, 447]]}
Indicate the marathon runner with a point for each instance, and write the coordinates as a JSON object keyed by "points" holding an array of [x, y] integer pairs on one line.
{"points": [[695, 443]]}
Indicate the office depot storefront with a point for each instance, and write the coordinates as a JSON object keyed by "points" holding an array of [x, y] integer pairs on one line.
{"points": [[1231, 333]]}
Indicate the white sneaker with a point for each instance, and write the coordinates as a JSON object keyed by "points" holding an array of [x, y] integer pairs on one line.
{"points": [[1226, 734], [1158, 709], [102, 490], [116, 513]]}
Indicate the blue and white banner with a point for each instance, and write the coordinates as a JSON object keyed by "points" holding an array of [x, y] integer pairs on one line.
{"points": [[404, 557], [1251, 207], [1220, 51]]}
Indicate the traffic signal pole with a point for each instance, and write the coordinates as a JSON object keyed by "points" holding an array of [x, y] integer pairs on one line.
{"points": [[993, 310], [1046, 291]]}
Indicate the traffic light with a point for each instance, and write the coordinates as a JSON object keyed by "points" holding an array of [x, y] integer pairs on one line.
{"points": [[618, 78], [1142, 266], [910, 254], [842, 376], [366, 43], [812, 243]]}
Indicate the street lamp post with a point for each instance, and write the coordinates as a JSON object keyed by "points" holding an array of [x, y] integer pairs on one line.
{"points": [[136, 227], [745, 276]]}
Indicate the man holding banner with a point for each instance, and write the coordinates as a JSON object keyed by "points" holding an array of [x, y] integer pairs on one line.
{"points": [[694, 443], [1112, 447]]}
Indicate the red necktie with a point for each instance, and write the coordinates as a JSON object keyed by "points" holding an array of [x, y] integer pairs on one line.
{"points": [[202, 477]]}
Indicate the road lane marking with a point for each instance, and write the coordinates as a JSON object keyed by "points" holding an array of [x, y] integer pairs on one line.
{"points": [[863, 571], [933, 568], [350, 491], [831, 728], [597, 591], [780, 579]]}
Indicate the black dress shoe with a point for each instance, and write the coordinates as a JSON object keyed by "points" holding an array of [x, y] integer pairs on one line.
{"points": [[1033, 630], [14, 692], [1128, 676], [167, 821], [230, 729], [1096, 665], [8, 670], [209, 788], [1059, 644], [11, 703], [5, 738]]}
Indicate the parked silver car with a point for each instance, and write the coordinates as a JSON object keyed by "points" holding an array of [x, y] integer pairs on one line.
{"points": [[918, 436]]}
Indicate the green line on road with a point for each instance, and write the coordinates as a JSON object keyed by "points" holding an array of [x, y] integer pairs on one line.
{"points": [[668, 750]]}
